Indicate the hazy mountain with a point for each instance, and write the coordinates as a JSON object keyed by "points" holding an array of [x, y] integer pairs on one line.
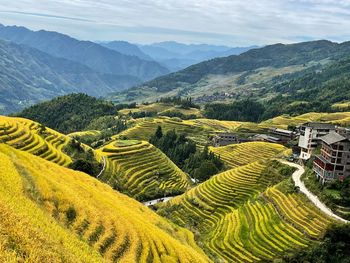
{"points": [[126, 48], [28, 76], [177, 56], [95, 56], [230, 74]]}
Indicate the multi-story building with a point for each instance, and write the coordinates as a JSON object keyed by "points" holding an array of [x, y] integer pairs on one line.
{"points": [[310, 134], [334, 160], [223, 139]]}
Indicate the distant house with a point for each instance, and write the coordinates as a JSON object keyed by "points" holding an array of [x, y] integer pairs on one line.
{"points": [[334, 160], [266, 138], [310, 137], [223, 139]]}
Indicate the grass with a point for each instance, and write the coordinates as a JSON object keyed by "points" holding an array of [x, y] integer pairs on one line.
{"points": [[79, 219]]}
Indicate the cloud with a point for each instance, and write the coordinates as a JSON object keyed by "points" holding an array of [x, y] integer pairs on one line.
{"points": [[47, 16], [233, 22]]}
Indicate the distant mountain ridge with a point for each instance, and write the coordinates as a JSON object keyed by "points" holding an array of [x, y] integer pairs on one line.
{"points": [[177, 56], [126, 48], [278, 56], [28, 76], [95, 56]]}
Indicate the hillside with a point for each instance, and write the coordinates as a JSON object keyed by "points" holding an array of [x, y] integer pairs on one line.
{"points": [[134, 167], [31, 137], [314, 90], [240, 75], [29, 76], [240, 216], [141, 170], [50, 213], [95, 56], [70, 113]]}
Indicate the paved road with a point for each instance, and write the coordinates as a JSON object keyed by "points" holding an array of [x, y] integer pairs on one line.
{"points": [[103, 167], [159, 200], [313, 198]]}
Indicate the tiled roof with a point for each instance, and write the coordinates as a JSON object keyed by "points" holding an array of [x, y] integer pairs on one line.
{"points": [[332, 137], [319, 125]]}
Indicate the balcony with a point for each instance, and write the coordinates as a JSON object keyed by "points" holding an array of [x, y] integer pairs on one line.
{"points": [[322, 163]]}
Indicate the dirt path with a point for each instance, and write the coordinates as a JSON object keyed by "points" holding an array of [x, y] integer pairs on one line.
{"points": [[313, 198]]}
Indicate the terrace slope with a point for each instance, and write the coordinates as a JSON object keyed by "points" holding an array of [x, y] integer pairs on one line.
{"points": [[51, 213], [32, 137], [142, 170], [240, 215]]}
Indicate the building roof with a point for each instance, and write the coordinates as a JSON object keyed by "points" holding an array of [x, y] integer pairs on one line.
{"points": [[319, 125], [266, 137], [282, 131], [332, 137]]}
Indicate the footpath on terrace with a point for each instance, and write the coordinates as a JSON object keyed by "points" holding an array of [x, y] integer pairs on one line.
{"points": [[313, 198]]}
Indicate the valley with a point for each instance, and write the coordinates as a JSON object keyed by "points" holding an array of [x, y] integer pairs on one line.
{"points": [[249, 212], [149, 150]]}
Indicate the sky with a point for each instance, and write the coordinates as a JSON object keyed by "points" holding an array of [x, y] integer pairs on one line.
{"points": [[221, 22]]}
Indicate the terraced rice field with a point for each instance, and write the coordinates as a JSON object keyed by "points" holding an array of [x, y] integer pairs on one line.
{"points": [[205, 204], [25, 135], [216, 125], [236, 223], [240, 154], [145, 128], [266, 229], [341, 118], [240, 216], [143, 170], [53, 214], [161, 108]]}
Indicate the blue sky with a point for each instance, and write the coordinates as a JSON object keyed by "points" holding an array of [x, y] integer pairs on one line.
{"points": [[229, 22]]}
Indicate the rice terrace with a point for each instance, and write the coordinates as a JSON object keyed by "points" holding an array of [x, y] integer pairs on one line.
{"points": [[174, 131]]}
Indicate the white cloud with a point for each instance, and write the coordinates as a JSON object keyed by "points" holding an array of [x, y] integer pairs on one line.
{"points": [[233, 22]]}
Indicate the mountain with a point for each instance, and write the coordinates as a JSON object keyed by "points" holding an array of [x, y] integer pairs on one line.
{"points": [[127, 48], [28, 76], [241, 75], [177, 56], [95, 56]]}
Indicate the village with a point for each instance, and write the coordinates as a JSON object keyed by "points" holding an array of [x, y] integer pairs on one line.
{"points": [[327, 145]]}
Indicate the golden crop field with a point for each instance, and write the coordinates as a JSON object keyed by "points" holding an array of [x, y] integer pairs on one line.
{"points": [[52, 214], [144, 128], [142, 169], [240, 216], [26, 135], [235, 155], [160, 108]]}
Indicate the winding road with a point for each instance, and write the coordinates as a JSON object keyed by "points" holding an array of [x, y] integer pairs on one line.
{"points": [[313, 198], [103, 168], [159, 200]]}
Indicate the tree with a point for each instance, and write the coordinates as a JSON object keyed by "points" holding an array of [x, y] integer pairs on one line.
{"points": [[159, 132], [205, 171]]}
